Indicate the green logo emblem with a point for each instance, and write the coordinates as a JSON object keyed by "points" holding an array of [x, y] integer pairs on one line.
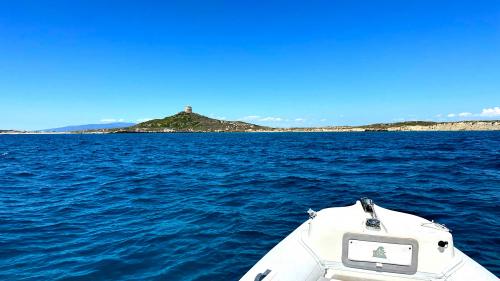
{"points": [[379, 253]]}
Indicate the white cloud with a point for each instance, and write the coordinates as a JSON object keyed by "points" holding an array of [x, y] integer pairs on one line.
{"points": [[271, 119], [486, 112], [300, 119], [323, 120], [140, 120], [217, 117], [250, 118], [111, 120], [490, 112], [262, 119]]}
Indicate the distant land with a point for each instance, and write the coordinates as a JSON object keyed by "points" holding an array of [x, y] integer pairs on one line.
{"points": [[188, 121], [88, 127], [10, 131], [192, 122]]}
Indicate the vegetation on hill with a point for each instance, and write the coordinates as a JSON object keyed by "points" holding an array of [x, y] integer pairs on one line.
{"points": [[193, 122]]}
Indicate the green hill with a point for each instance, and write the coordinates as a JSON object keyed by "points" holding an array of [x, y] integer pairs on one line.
{"points": [[192, 122]]}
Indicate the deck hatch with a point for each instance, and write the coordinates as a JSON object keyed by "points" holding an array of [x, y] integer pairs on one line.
{"points": [[380, 253]]}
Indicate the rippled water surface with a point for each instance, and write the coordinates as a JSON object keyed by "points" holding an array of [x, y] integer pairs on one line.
{"points": [[208, 206]]}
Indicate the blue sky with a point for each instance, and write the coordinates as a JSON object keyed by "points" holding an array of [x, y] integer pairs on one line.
{"points": [[279, 63]]}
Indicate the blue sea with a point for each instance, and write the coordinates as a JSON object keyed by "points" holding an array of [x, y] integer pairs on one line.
{"points": [[208, 206]]}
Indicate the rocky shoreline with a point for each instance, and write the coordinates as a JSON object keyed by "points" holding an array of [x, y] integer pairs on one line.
{"points": [[386, 127], [408, 127], [389, 127]]}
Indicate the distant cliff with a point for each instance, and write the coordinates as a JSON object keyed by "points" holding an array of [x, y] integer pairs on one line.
{"points": [[493, 125], [191, 122], [445, 126]]}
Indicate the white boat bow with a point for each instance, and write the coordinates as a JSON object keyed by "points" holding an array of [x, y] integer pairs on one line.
{"points": [[366, 242]]}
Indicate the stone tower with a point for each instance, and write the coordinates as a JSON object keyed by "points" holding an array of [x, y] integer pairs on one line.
{"points": [[188, 109]]}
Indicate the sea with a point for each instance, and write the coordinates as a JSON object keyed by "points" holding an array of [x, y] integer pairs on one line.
{"points": [[208, 206]]}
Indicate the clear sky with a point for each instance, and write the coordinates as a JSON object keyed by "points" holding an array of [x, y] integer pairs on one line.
{"points": [[278, 63]]}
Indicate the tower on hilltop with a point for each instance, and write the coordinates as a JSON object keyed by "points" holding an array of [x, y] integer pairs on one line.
{"points": [[188, 109]]}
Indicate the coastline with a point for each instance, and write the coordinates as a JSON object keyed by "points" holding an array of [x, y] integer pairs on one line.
{"points": [[415, 126]]}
